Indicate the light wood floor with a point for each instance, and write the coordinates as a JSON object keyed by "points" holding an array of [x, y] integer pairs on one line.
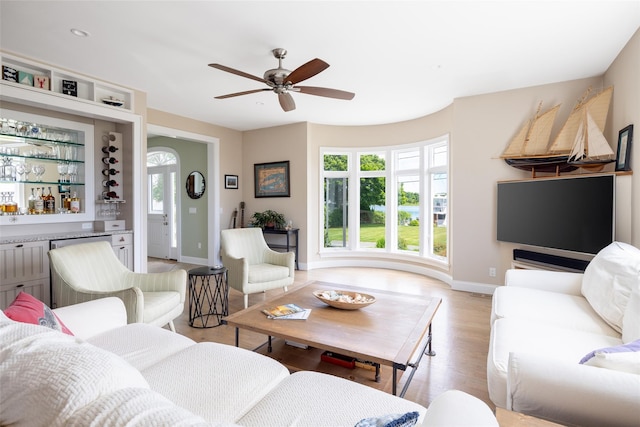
{"points": [[460, 327]]}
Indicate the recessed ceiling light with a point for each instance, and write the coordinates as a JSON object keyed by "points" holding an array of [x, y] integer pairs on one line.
{"points": [[79, 33]]}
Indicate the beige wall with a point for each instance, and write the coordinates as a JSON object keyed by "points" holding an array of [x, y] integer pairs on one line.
{"points": [[625, 110], [278, 144]]}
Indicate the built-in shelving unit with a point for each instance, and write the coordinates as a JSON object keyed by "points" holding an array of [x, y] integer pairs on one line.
{"points": [[54, 80]]}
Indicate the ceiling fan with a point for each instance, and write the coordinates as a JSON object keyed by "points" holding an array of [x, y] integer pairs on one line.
{"points": [[283, 81]]}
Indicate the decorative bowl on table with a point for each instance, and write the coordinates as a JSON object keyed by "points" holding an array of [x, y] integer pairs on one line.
{"points": [[344, 300]]}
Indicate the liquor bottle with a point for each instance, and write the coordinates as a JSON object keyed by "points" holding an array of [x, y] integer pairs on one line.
{"points": [[74, 203], [109, 195], [39, 203], [107, 172], [109, 149], [65, 200], [31, 203], [109, 160], [10, 207], [50, 203], [110, 183]]}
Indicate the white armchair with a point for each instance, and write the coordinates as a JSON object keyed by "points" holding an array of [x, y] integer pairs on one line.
{"points": [[251, 265], [90, 271]]}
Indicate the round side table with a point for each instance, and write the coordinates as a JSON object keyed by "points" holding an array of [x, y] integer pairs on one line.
{"points": [[208, 297]]}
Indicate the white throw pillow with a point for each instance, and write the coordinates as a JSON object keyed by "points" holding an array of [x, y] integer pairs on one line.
{"points": [[609, 280], [46, 375], [631, 319]]}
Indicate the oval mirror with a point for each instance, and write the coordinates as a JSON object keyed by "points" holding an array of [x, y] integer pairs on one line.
{"points": [[195, 185]]}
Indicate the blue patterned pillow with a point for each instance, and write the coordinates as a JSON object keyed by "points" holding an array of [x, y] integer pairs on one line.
{"points": [[391, 420]]}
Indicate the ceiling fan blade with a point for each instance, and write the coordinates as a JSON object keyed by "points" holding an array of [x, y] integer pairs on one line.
{"points": [[286, 101], [325, 91], [307, 70], [237, 72], [231, 95]]}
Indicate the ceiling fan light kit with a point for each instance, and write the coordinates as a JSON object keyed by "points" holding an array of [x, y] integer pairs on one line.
{"points": [[282, 81]]}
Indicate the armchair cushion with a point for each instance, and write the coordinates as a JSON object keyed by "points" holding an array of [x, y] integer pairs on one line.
{"points": [[267, 273]]}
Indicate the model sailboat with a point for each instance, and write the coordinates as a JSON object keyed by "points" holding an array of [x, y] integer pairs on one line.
{"points": [[529, 149], [580, 142]]}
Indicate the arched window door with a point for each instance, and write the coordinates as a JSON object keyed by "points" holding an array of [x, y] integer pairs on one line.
{"points": [[162, 214]]}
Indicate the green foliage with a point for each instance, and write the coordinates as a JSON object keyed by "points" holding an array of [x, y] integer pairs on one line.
{"points": [[414, 223], [402, 244], [335, 218], [403, 217], [381, 243], [335, 162], [268, 218], [378, 217]]}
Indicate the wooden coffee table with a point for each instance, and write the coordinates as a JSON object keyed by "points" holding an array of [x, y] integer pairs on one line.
{"points": [[394, 331]]}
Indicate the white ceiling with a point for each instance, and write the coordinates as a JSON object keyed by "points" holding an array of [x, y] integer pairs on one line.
{"points": [[402, 59]]}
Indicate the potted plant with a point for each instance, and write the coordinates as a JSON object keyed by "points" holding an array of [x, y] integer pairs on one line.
{"points": [[268, 219]]}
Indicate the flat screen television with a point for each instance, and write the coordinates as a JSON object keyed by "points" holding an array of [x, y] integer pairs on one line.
{"points": [[573, 213]]}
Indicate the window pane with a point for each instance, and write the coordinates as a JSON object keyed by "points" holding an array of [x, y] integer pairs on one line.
{"points": [[372, 162], [409, 213], [440, 220], [336, 162], [336, 216], [160, 158], [372, 213], [408, 160], [156, 186], [439, 156]]}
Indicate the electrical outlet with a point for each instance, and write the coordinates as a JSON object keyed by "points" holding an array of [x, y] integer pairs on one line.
{"points": [[492, 272], [86, 226], [199, 245]]}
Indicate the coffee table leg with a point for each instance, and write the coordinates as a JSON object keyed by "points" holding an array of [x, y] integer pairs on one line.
{"points": [[237, 337], [269, 347], [378, 376]]}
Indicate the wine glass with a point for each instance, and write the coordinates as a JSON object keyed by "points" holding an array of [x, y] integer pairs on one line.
{"points": [[62, 171], [72, 170], [20, 171], [27, 170], [39, 171]]}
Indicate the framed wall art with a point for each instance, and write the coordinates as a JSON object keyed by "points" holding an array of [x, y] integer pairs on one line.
{"points": [[272, 179], [623, 157], [231, 181]]}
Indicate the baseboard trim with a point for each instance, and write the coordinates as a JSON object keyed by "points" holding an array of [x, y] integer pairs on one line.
{"points": [[391, 265], [478, 288], [193, 260]]}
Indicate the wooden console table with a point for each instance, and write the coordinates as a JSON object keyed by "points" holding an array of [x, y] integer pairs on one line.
{"points": [[289, 246]]}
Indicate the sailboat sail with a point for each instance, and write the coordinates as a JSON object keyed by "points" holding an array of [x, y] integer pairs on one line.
{"points": [[598, 107], [590, 144], [533, 138]]}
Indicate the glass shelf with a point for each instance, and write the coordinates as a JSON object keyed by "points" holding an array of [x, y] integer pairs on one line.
{"points": [[46, 159], [64, 184]]}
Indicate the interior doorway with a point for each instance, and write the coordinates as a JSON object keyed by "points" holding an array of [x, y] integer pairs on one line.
{"points": [[163, 215]]}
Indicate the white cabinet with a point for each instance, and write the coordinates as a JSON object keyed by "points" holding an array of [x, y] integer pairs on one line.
{"points": [[24, 267], [122, 245]]}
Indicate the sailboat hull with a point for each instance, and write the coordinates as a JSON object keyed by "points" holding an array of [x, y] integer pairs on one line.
{"points": [[542, 164]]}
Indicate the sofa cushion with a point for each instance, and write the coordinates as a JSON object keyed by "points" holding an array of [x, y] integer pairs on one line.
{"points": [[28, 309], [140, 344], [625, 358], [334, 402], [631, 319], [552, 308], [134, 407], [46, 375], [510, 335], [219, 382], [609, 280]]}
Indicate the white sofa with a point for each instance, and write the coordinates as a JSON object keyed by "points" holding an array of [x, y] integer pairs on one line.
{"points": [[544, 323], [113, 374]]}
